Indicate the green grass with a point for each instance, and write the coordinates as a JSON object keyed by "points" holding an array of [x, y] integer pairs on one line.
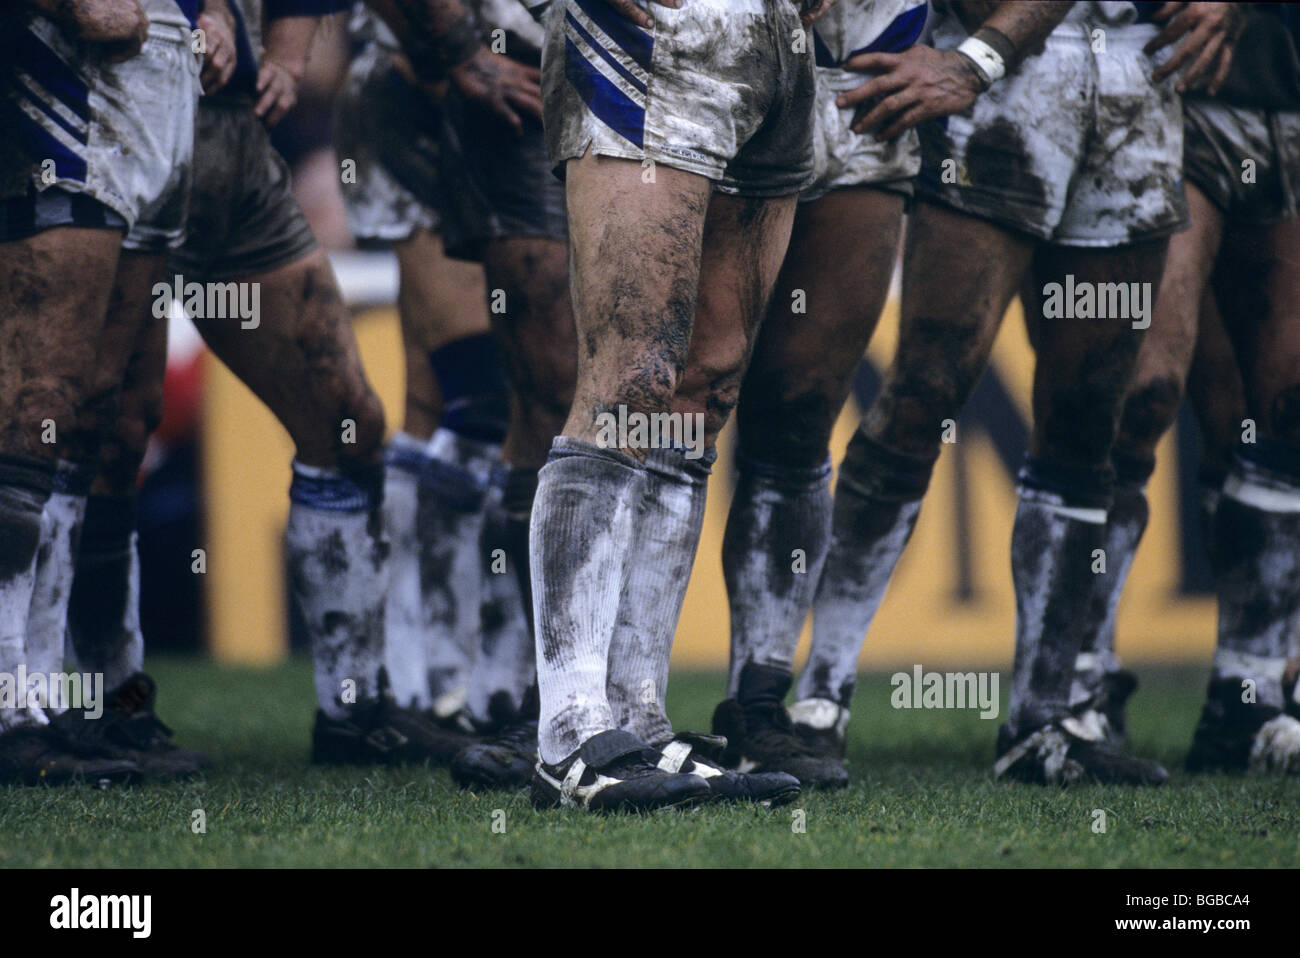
{"points": [[922, 795]]}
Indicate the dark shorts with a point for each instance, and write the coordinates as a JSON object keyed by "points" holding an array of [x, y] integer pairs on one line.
{"points": [[243, 218], [446, 167], [501, 184], [1220, 139]]}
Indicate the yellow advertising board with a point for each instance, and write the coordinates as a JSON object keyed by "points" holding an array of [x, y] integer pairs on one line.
{"points": [[950, 601]]}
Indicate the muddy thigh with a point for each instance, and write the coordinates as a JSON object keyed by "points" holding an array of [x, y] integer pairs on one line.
{"points": [[823, 311], [1165, 357], [1263, 317], [745, 241], [1086, 363], [635, 251], [54, 291], [959, 275]]}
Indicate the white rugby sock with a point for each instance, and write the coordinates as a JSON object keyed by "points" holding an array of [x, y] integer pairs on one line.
{"points": [[1053, 547], [503, 664], [24, 487], [583, 517], [665, 535], [103, 633], [1126, 520], [1256, 551], [778, 531], [47, 620], [404, 617], [452, 494], [877, 501], [338, 563]]}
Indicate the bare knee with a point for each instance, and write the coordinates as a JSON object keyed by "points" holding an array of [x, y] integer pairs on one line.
{"points": [[43, 417], [779, 421], [710, 386], [1149, 411], [123, 447], [915, 406]]}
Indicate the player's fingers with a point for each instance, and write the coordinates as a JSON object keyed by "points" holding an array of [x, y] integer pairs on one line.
{"points": [[632, 12], [876, 87], [1186, 50], [890, 106], [1221, 74], [1174, 29], [1168, 10], [266, 100], [901, 124], [1202, 63], [871, 62], [221, 56], [285, 102], [227, 71], [673, 4], [528, 101], [501, 108]]}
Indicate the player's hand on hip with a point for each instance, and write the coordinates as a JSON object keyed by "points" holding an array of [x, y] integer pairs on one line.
{"points": [[277, 89], [500, 85], [1207, 32], [918, 84], [218, 48], [629, 10]]}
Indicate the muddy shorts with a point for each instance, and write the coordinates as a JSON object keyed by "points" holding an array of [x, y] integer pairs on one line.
{"points": [[243, 216], [386, 134], [715, 88], [841, 157], [1219, 140], [1075, 148], [119, 134]]}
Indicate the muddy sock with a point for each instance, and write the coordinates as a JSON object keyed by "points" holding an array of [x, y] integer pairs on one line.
{"points": [[404, 642], [583, 518], [452, 496], [1126, 520], [877, 500], [503, 665], [666, 533], [338, 565], [778, 531], [104, 606], [25, 485], [56, 560], [1060, 524], [517, 502], [1256, 554]]}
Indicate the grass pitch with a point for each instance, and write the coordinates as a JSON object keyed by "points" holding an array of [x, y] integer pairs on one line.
{"points": [[922, 794]]}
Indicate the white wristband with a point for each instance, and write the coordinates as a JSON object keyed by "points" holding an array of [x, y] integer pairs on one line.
{"points": [[988, 60]]}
